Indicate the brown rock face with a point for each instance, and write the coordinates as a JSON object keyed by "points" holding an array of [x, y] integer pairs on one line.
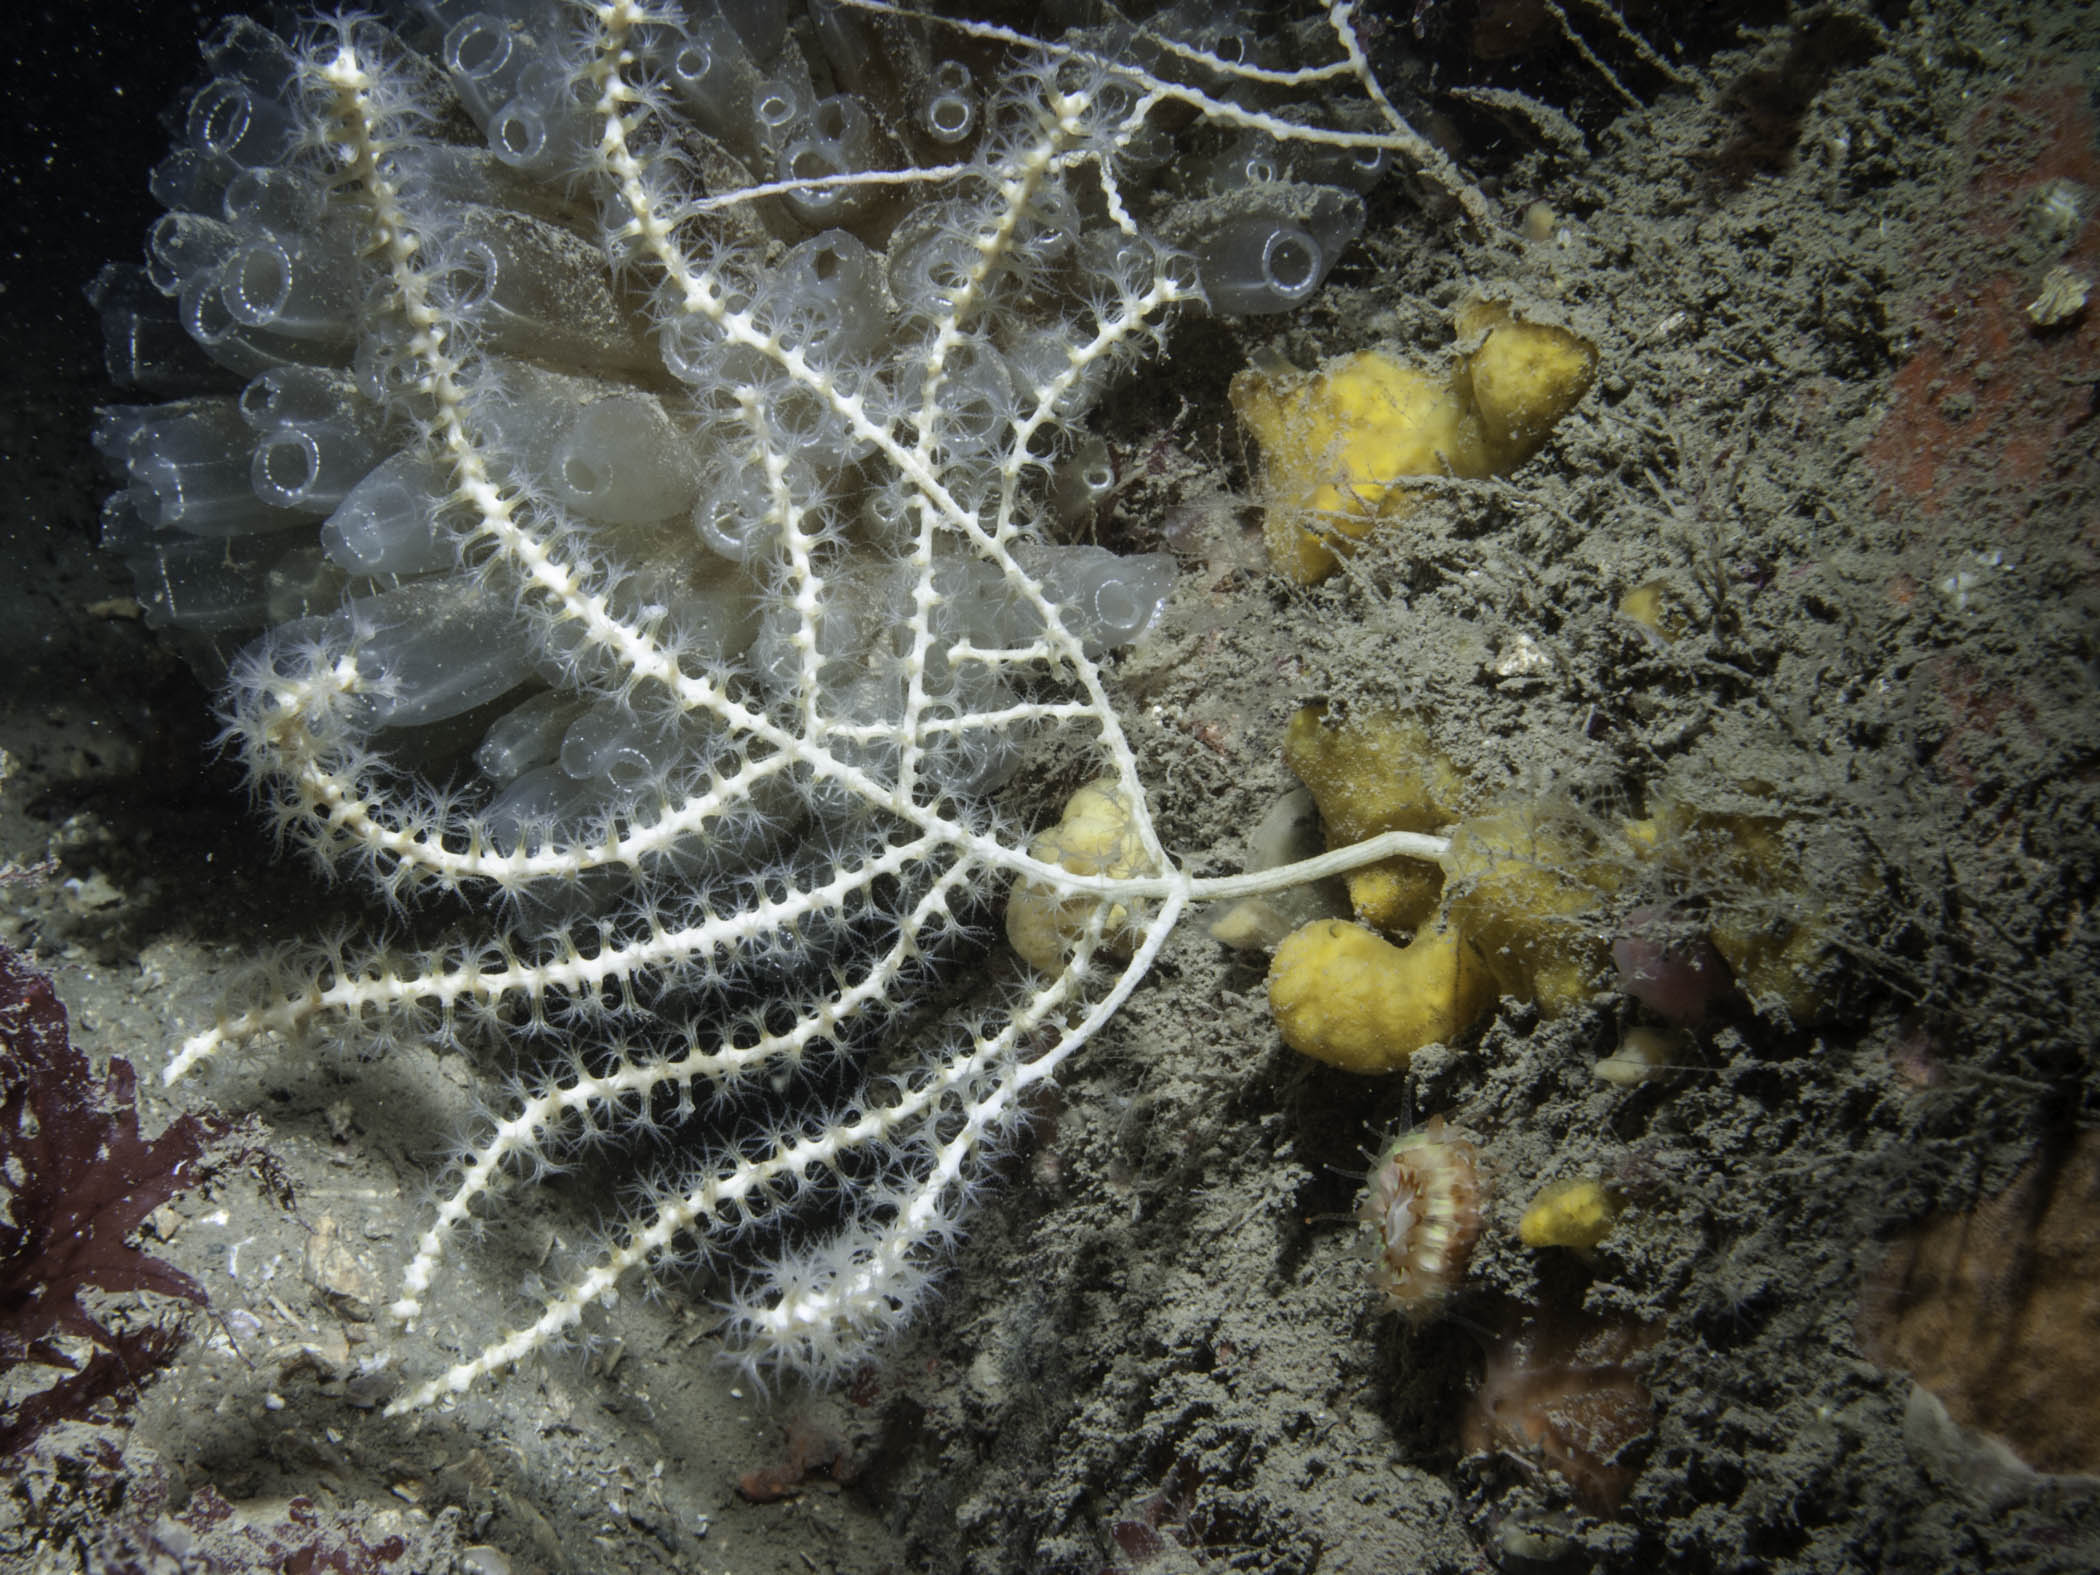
{"points": [[1995, 1310]]}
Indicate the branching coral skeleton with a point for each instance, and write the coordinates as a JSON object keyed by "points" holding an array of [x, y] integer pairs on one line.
{"points": [[781, 885]]}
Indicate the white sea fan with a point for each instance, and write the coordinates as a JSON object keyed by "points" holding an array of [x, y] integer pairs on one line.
{"points": [[693, 434]]}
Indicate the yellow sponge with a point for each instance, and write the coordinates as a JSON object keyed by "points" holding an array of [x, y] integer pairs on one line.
{"points": [[1336, 442], [1096, 836], [1353, 999], [1333, 441], [1530, 894], [1524, 376], [1378, 773], [1576, 1214]]}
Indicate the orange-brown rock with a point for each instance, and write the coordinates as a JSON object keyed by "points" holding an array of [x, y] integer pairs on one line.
{"points": [[1995, 1310]]}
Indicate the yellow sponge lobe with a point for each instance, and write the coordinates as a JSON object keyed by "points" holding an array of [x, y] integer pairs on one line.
{"points": [[1332, 442], [1775, 934], [1097, 835], [1530, 894], [1576, 1214], [1378, 773], [1525, 377], [1353, 999], [1335, 443]]}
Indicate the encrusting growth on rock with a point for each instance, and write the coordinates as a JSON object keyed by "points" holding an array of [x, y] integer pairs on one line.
{"points": [[1349, 997], [1528, 900]]}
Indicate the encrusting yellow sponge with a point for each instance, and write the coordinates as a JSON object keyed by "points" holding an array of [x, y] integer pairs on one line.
{"points": [[1353, 999], [1575, 1214], [1096, 836], [1530, 893], [1379, 773], [1336, 442], [1332, 441], [1524, 378]]}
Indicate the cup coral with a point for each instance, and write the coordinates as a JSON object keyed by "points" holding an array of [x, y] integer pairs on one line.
{"points": [[1422, 1205]]}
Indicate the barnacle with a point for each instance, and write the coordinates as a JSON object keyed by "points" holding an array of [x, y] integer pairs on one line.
{"points": [[1422, 1205]]}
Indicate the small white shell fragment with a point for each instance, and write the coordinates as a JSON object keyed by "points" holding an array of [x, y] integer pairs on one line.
{"points": [[2063, 296]]}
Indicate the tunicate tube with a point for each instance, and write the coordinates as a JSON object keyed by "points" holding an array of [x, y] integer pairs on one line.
{"points": [[1258, 265], [1359, 168], [608, 743], [541, 798], [487, 60], [779, 104], [1273, 257], [525, 415], [979, 762], [280, 201], [291, 287], [531, 288], [232, 344], [429, 651], [189, 180], [826, 298], [1082, 482], [190, 472], [776, 655], [948, 114], [537, 134], [622, 462], [888, 515], [713, 76], [143, 345], [295, 395], [1039, 358], [761, 24], [230, 120], [184, 246], [310, 467], [1103, 598], [1128, 264], [529, 734], [735, 517], [808, 425], [388, 524], [240, 47], [300, 583], [118, 426], [210, 586], [975, 406], [1253, 160], [931, 258], [836, 137]]}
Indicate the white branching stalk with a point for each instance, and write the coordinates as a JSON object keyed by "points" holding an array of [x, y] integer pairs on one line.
{"points": [[814, 824]]}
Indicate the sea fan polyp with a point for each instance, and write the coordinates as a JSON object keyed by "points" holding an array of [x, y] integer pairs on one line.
{"points": [[1422, 1206]]}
